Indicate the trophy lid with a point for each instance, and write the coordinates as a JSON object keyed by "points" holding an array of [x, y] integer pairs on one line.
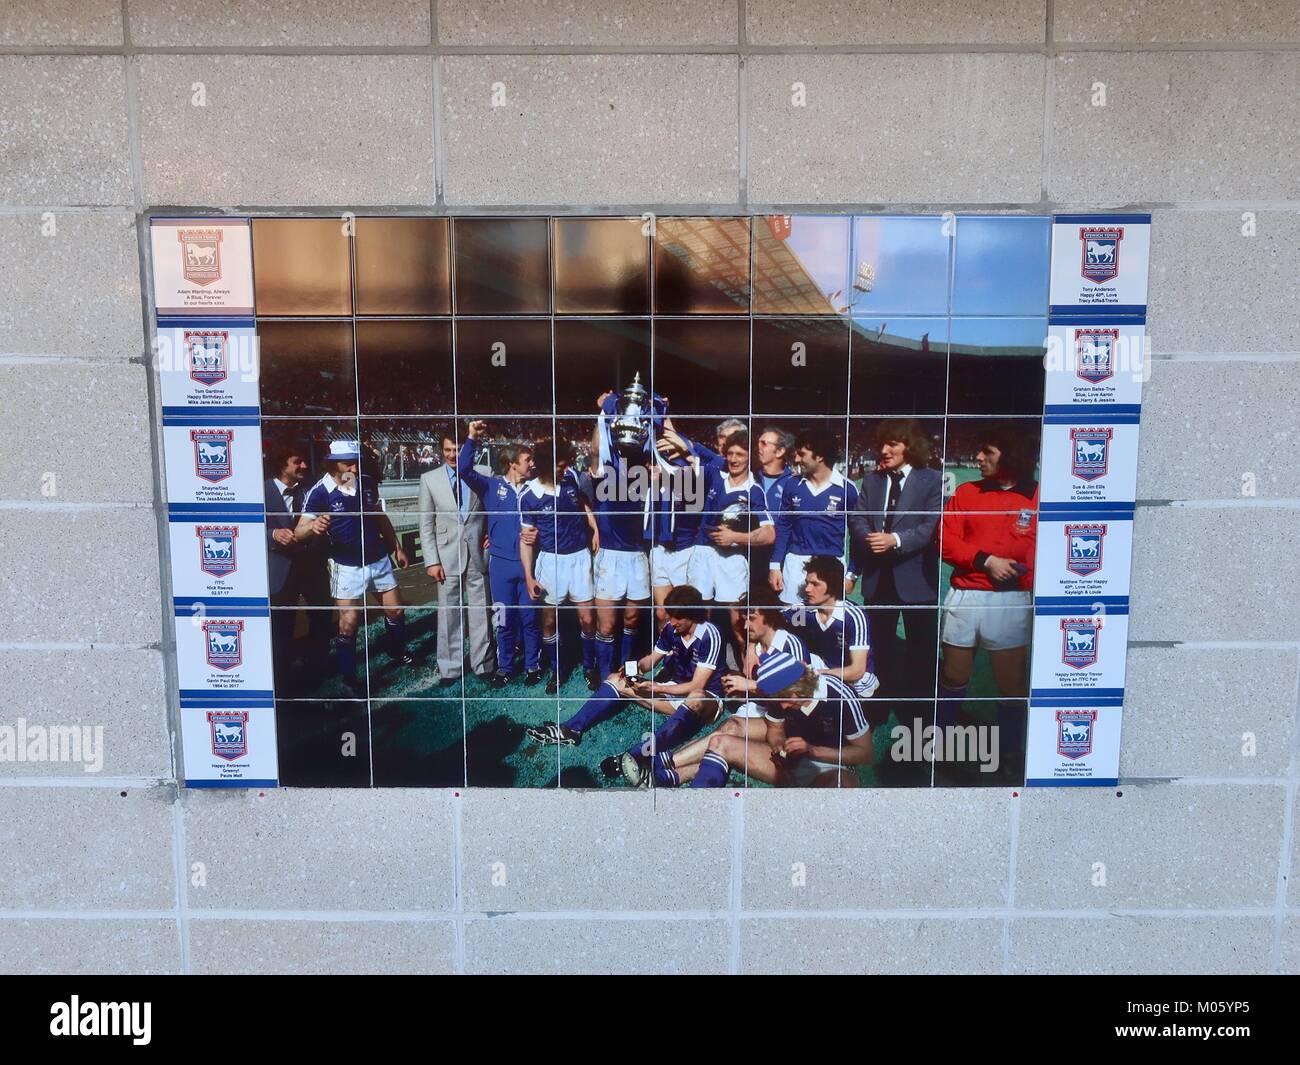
{"points": [[636, 385]]}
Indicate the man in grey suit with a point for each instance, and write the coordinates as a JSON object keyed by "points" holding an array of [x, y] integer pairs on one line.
{"points": [[452, 530], [895, 551], [295, 570]]}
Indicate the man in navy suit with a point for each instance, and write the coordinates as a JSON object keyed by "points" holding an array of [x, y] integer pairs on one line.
{"points": [[295, 570], [895, 551]]}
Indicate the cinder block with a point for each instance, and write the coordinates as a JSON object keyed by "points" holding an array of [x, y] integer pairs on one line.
{"points": [[876, 849], [1214, 574], [71, 22], [587, 23], [903, 945], [613, 948], [1167, 846], [121, 691], [329, 129], [55, 946], [80, 576], [1196, 712], [275, 24], [595, 129], [1175, 21], [72, 285], [50, 405], [574, 850], [1290, 956], [1132, 945], [64, 122], [320, 849], [774, 22], [1196, 419], [1293, 880], [895, 128], [1176, 126], [321, 948], [87, 848], [1238, 299]]}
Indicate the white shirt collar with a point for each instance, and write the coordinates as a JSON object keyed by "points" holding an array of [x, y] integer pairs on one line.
{"points": [[748, 482], [823, 690], [837, 614], [280, 486], [836, 480], [332, 485], [538, 489]]}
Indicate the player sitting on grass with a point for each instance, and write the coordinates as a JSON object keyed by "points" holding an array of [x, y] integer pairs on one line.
{"points": [[692, 700], [836, 629], [767, 633], [811, 735]]}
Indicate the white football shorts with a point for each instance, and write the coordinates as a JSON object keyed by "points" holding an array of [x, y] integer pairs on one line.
{"points": [[351, 582], [996, 621], [622, 575]]}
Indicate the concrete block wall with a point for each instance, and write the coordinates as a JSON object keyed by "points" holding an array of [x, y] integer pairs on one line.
{"points": [[979, 104]]}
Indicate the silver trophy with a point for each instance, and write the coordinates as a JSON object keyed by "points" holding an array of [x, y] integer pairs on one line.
{"points": [[738, 517], [630, 428]]}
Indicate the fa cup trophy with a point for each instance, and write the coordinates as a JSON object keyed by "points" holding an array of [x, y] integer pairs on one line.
{"points": [[630, 425]]}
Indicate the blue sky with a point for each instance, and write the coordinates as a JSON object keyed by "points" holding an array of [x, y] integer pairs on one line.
{"points": [[1001, 263]]}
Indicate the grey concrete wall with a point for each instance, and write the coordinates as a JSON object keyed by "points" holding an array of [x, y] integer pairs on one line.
{"points": [[979, 104]]}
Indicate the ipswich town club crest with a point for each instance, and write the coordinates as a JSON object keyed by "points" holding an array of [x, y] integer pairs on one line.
{"points": [[229, 733], [1095, 354], [1079, 638], [1083, 544], [1090, 452], [217, 548], [212, 453], [1100, 252], [1074, 732], [206, 350], [225, 643], [200, 255]]}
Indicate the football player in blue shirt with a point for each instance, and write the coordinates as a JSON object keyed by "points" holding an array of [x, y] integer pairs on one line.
{"points": [[621, 566], [812, 733], [768, 633], [500, 498], [557, 527], [836, 630], [692, 699], [813, 517], [344, 507]]}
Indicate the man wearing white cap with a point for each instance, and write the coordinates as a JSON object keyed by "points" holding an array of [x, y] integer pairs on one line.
{"points": [[812, 734], [344, 507]]}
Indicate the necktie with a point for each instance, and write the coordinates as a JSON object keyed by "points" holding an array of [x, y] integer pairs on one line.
{"points": [[456, 492], [891, 504], [291, 500]]}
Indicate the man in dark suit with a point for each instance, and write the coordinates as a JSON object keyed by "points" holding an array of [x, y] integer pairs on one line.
{"points": [[895, 551], [295, 570]]}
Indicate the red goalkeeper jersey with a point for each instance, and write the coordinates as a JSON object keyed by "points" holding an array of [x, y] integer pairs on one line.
{"points": [[982, 518]]}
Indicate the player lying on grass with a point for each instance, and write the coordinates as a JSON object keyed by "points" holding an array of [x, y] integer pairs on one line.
{"points": [[768, 633], [692, 699], [811, 735]]}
